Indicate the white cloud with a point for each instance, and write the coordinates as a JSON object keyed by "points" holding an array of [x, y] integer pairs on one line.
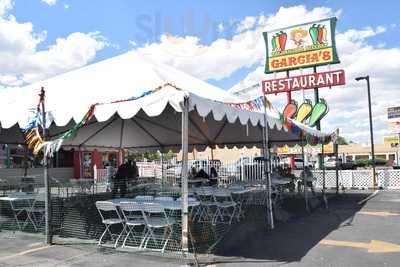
{"points": [[348, 104], [246, 24], [220, 27], [49, 2], [22, 62], [132, 43], [224, 56], [5, 5], [66, 6]]}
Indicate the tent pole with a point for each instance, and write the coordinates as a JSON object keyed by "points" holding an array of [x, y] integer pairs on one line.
{"points": [[270, 215], [184, 175], [323, 178], [162, 169], [48, 232]]}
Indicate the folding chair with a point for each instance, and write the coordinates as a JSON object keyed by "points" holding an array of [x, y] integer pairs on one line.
{"points": [[36, 213], [160, 199], [190, 199], [144, 198], [239, 199], [109, 216], [133, 216], [207, 204], [156, 219], [225, 205]]}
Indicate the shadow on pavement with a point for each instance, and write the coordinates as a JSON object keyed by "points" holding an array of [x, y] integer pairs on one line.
{"points": [[292, 240]]}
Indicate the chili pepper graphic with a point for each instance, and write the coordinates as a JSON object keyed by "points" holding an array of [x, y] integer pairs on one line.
{"points": [[289, 111], [304, 111], [320, 34], [325, 33], [314, 34], [278, 46], [282, 40], [319, 111], [273, 42]]}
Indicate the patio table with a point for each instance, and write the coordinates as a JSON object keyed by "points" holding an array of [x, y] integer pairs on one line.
{"points": [[169, 205]]}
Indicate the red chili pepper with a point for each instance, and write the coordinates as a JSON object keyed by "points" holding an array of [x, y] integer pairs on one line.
{"points": [[320, 34], [282, 40]]}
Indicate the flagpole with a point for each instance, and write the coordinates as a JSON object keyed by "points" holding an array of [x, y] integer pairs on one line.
{"points": [[48, 233]]}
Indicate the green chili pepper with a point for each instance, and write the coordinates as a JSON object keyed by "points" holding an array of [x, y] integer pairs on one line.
{"points": [[314, 34]]}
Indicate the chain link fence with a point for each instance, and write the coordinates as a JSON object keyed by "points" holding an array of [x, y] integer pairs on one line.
{"points": [[215, 213]]}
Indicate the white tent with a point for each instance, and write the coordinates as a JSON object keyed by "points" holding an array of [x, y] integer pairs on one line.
{"points": [[186, 112], [151, 122]]}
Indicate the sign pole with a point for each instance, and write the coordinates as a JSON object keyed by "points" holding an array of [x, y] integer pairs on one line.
{"points": [[288, 94], [316, 100]]}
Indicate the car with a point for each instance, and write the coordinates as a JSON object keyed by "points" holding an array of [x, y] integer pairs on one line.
{"points": [[348, 165], [331, 163]]}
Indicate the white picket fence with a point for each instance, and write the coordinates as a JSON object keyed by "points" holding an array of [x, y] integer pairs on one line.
{"points": [[387, 179], [236, 171]]}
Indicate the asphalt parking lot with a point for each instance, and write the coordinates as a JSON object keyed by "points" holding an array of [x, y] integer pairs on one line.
{"points": [[350, 233]]}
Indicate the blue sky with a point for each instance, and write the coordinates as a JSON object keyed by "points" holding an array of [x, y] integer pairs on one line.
{"points": [[216, 41], [122, 21]]}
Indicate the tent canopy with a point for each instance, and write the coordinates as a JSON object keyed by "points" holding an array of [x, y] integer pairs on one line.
{"points": [[150, 122]]}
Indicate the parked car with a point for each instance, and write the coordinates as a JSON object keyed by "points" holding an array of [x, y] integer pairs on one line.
{"points": [[348, 165], [331, 164], [298, 163]]}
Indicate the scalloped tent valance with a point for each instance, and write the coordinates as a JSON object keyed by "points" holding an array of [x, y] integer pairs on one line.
{"points": [[150, 122]]}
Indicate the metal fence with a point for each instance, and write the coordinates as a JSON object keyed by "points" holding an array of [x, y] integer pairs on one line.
{"points": [[230, 172]]}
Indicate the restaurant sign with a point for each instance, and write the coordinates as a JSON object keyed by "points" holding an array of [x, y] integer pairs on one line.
{"points": [[301, 82], [301, 46]]}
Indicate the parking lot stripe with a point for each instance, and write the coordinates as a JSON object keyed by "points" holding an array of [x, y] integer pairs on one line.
{"points": [[369, 197], [374, 246], [24, 253], [379, 213]]}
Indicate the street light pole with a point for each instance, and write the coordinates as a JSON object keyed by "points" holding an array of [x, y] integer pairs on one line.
{"points": [[370, 128]]}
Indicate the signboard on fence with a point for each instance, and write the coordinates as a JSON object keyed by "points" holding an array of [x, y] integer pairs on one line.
{"points": [[389, 140], [301, 46], [301, 82], [393, 114]]}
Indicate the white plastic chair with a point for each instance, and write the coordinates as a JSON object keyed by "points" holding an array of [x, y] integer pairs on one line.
{"points": [[225, 205], [156, 219], [133, 216], [110, 216]]}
